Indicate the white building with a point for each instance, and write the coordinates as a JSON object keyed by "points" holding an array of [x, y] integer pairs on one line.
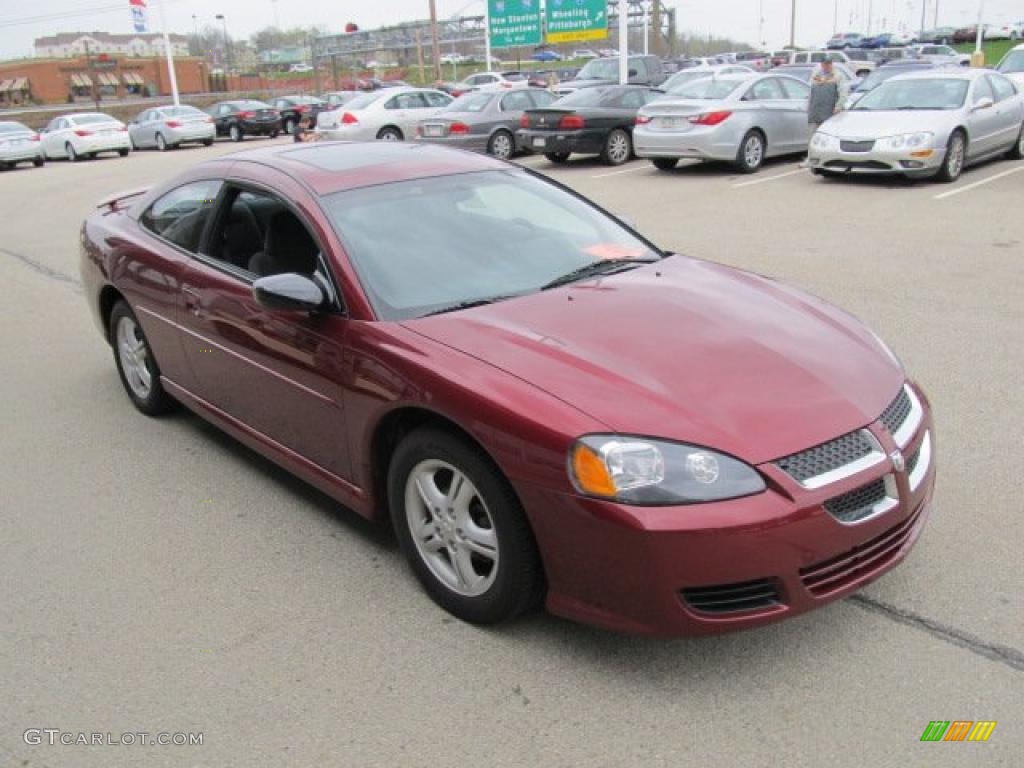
{"points": [[71, 44]]}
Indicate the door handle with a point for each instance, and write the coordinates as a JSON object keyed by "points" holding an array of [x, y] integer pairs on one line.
{"points": [[192, 303]]}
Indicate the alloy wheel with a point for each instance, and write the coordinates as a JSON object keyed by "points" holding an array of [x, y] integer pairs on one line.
{"points": [[161, 142], [501, 146], [955, 161], [451, 527], [753, 151], [134, 357]]}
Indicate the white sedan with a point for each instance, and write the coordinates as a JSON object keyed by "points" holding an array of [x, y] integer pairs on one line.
{"points": [[391, 114], [84, 134]]}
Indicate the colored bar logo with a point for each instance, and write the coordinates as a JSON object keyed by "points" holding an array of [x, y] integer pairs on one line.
{"points": [[958, 730]]}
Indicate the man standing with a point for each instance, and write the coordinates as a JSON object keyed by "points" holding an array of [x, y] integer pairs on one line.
{"points": [[827, 96]]}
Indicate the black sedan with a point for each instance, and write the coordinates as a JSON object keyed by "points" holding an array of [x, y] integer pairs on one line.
{"points": [[590, 121], [296, 110], [239, 119]]}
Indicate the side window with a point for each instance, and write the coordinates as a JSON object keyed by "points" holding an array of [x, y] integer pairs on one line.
{"points": [[764, 90], [63, 124], [633, 99], [794, 89], [1002, 87], [436, 99], [516, 101], [982, 90], [181, 214], [224, 109], [542, 98]]}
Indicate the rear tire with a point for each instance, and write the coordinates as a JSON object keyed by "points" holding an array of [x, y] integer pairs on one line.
{"points": [[135, 363], [73, 156], [1017, 150], [390, 134], [473, 551], [290, 125], [235, 132], [207, 142], [501, 145], [557, 157], [665, 163], [161, 142], [618, 147], [750, 156], [123, 152], [38, 162], [953, 164]]}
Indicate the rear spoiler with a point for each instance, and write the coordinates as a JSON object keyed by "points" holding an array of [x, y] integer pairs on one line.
{"points": [[114, 202]]}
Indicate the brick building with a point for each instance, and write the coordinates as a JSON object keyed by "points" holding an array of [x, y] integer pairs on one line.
{"points": [[56, 81]]}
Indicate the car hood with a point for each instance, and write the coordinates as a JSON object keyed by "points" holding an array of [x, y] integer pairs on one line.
{"points": [[691, 351], [864, 124]]}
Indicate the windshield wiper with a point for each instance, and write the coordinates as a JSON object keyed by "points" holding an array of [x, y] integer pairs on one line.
{"points": [[469, 304], [594, 268]]}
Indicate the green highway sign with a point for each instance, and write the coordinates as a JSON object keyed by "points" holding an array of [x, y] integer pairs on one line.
{"points": [[512, 23], [569, 21]]}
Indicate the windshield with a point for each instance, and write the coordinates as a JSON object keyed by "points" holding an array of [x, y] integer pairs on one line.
{"points": [[879, 76], [471, 102], [364, 100], [584, 97], [931, 93], [470, 237], [600, 69], [1014, 62], [13, 128], [706, 89]]}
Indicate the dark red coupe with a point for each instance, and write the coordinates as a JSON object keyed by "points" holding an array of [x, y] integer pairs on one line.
{"points": [[548, 406]]}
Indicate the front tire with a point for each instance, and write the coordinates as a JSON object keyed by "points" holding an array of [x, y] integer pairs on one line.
{"points": [[135, 363], [207, 142], [665, 163], [618, 147], [235, 132], [750, 156], [953, 164], [462, 529], [123, 152], [501, 145], [38, 162]]}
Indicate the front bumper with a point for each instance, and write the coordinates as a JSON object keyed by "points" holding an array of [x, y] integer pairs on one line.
{"points": [[698, 143], [637, 569], [877, 161], [559, 142]]}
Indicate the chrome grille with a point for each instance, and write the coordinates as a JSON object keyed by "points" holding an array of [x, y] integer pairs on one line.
{"points": [[859, 503], [827, 457], [897, 411], [856, 146]]}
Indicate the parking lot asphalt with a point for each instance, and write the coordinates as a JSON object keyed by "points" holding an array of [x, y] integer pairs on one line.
{"points": [[159, 577]]}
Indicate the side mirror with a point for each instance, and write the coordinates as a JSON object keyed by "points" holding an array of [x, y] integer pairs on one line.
{"points": [[984, 103], [632, 73], [289, 292]]}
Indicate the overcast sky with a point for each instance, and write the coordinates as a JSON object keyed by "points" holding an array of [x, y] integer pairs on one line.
{"points": [[735, 18]]}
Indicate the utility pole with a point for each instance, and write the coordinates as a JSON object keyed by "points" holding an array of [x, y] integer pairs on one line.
{"points": [[936, 24], [924, 18], [487, 35], [792, 26], [169, 55], [92, 83], [435, 44]]}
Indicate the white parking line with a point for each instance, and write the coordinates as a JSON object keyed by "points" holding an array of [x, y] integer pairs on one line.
{"points": [[644, 166], [768, 178], [969, 187]]}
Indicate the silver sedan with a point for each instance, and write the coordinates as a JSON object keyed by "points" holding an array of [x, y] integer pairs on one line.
{"points": [[19, 143], [484, 121], [931, 123], [169, 127], [742, 119], [390, 114]]}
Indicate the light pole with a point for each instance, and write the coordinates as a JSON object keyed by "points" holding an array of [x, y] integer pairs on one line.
{"points": [[792, 26], [227, 51], [435, 44]]}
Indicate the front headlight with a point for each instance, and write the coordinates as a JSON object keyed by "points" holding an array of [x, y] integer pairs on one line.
{"points": [[638, 470], [908, 140], [823, 141]]}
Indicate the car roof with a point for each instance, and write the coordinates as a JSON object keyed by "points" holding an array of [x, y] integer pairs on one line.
{"points": [[333, 166], [940, 73]]}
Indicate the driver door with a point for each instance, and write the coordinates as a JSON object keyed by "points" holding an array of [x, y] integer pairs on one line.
{"points": [[277, 373]]}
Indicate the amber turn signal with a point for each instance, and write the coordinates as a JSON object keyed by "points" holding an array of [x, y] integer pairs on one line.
{"points": [[590, 472]]}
